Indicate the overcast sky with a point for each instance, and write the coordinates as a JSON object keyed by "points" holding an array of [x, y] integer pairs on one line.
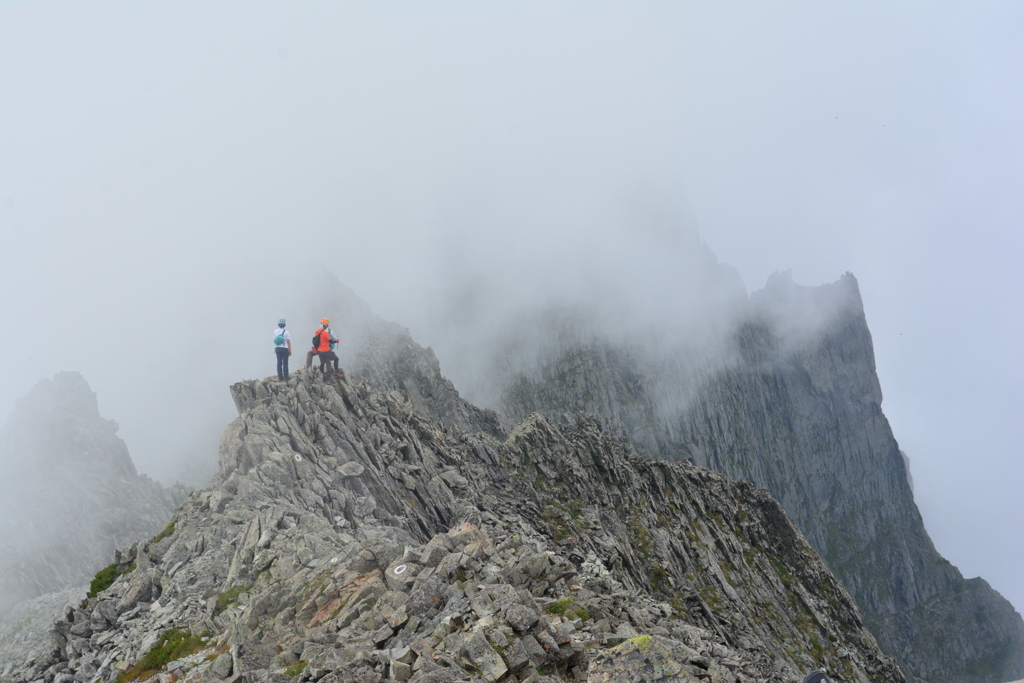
{"points": [[410, 147]]}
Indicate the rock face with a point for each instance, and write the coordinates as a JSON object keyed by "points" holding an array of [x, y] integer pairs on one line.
{"points": [[69, 495], [386, 355], [347, 537], [794, 407]]}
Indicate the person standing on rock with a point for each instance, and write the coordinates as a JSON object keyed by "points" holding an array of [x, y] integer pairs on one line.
{"points": [[324, 342], [282, 348], [316, 342]]}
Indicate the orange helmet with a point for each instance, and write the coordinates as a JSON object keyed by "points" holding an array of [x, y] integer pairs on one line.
{"points": [[325, 321]]}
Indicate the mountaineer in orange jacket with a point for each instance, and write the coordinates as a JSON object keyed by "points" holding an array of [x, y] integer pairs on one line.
{"points": [[324, 342]]}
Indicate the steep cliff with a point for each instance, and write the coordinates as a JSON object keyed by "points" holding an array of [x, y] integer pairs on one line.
{"points": [[69, 495], [793, 405], [348, 538]]}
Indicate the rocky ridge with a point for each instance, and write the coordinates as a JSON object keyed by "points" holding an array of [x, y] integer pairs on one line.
{"points": [[70, 494], [348, 538], [794, 406]]}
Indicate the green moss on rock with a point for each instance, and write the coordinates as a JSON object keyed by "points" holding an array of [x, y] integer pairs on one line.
{"points": [[103, 580], [167, 531], [230, 597], [296, 668], [642, 642], [174, 644]]}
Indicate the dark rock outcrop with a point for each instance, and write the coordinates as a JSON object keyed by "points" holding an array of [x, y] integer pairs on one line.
{"points": [[348, 538], [793, 405]]}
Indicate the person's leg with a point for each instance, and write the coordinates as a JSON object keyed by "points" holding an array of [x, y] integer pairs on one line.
{"points": [[309, 358], [280, 357], [284, 358], [330, 360]]}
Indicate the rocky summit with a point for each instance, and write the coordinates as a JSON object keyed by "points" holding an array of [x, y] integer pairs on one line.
{"points": [[347, 537]]}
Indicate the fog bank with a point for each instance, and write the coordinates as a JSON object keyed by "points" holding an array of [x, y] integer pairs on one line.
{"points": [[476, 160]]}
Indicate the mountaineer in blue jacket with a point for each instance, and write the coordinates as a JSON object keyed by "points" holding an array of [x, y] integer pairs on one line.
{"points": [[282, 348]]}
